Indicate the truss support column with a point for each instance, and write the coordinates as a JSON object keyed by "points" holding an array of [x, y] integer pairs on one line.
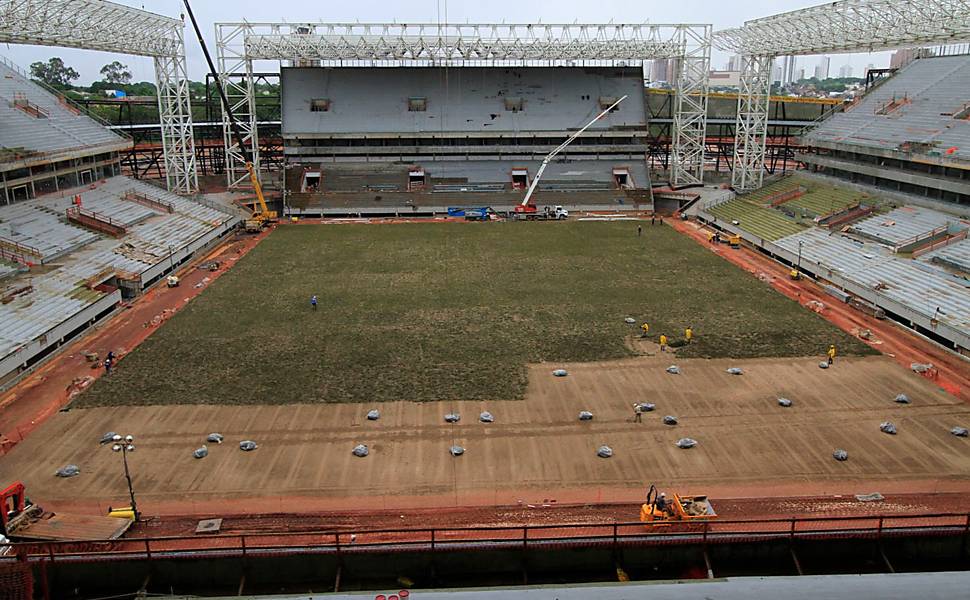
{"points": [[690, 112], [236, 76], [752, 123], [175, 117]]}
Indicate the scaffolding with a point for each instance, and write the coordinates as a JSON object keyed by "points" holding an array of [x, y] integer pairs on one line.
{"points": [[457, 45], [836, 27], [110, 27]]}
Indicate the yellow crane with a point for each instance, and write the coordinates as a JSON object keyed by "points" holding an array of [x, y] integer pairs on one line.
{"points": [[261, 216]]}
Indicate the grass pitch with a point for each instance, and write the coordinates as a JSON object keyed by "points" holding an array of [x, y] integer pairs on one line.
{"points": [[449, 311]]}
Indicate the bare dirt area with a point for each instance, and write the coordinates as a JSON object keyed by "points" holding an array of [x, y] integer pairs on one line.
{"points": [[536, 452]]}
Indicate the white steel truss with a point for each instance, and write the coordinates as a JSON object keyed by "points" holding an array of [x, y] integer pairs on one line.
{"points": [[385, 44], [110, 27], [751, 131], [690, 116], [851, 26], [836, 27], [236, 77]]}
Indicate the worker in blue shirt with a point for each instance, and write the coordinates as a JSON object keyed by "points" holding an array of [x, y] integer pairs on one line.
{"points": [[313, 301]]}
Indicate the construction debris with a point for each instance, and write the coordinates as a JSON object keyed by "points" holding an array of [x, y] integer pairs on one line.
{"points": [[784, 402], [214, 438], [108, 438], [735, 371], [373, 415], [670, 420], [873, 497], [902, 399], [823, 365], [921, 367], [247, 446], [604, 452], [887, 427], [452, 418], [585, 415], [361, 450], [673, 370], [815, 306], [486, 417], [630, 320], [560, 373], [840, 455], [686, 443], [865, 334], [456, 450], [68, 471], [647, 406], [201, 452], [960, 431]]}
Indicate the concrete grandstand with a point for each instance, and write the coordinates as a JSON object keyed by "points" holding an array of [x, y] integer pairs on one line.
{"points": [[428, 138], [75, 236], [910, 134], [863, 257], [46, 143]]}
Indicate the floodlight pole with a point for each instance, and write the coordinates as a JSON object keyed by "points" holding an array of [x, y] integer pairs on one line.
{"points": [[124, 445]]}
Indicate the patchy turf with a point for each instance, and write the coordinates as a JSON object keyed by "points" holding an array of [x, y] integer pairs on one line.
{"points": [[439, 312]]}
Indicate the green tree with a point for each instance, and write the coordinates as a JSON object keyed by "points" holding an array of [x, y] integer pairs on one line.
{"points": [[54, 73], [116, 73]]}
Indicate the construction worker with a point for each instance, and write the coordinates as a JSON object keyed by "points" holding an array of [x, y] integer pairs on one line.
{"points": [[653, 219], [645, 330], [710, 237], [107, 365], [637, 413], [662, 502], [689, 334], [313, 301], [831, 354], [663, 343], [639, 230]]}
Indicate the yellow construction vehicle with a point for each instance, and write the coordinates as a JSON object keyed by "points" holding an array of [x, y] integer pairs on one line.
{"points": [[795, 274], [261, 216], [735, 241], [680, 509]]}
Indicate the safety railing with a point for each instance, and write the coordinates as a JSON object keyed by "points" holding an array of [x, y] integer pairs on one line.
{"points": [[491, 537]]}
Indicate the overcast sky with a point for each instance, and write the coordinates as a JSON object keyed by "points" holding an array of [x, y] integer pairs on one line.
{"points": [[722, 14]]}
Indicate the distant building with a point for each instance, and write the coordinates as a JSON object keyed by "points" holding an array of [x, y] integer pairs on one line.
{"points": [[734, 63], [800, 74], [902, 57], [725, 78], [777, 72], [664, 69], [822, 70], [845, 71], [789, 70]]}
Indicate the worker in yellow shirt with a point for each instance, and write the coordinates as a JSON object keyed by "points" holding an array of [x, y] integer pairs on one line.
{"points": [[831, 354], [645, 330], [663, 343], [689, 334]]}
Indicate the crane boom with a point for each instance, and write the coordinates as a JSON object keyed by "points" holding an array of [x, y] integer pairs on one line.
{"points": [[560, 148], [264, 215]]}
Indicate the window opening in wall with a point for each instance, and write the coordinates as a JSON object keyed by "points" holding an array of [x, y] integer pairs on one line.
{"points": [[622, 179], [417, 104], [416, 179], [520, 179], [608, 101], [86, 176], [320, 105], [311, 181]]}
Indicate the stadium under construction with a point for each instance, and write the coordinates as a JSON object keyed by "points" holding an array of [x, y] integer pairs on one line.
{"points": [[447, 310]]}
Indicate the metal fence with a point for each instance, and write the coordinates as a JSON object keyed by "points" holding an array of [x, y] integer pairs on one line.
{"points": [[519, 537]]}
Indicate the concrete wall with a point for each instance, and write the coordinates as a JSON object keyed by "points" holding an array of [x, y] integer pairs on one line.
{"points": [[467, 99]]}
